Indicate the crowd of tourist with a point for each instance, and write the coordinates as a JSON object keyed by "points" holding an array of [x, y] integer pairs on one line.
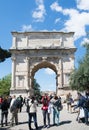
{"points": [[13, 105], [49, 104]]}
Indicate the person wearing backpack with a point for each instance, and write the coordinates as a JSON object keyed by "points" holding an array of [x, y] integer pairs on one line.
{"points": [[20, 100], [45, 103], [81, 104], [14, 110], [57, 107], [32, 113]]}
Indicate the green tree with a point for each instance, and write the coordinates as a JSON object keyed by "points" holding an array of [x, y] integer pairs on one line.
{"points": [[79, 79], [5, 84], [37, 91], [4, 54]]}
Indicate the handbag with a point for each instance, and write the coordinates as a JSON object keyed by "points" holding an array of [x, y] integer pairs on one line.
{"points": [[81, 113]]}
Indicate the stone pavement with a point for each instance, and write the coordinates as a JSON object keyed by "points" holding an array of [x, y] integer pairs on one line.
{"points": [[67, 121]]}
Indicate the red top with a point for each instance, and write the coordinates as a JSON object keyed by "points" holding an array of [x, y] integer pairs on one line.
{"points": [[1, 100], [45, 102]]}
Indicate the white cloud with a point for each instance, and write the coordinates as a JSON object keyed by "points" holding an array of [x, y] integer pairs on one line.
{"points": [[83, 4], [39, 12], [26, 28], [76, 22], [56, 7], [49, 71], [57, 20]]}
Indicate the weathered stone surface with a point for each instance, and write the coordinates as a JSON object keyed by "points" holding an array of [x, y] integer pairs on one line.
{"points": [[34, 50]]}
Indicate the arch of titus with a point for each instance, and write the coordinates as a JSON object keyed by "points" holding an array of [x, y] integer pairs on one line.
{"points": [[32, 51]]}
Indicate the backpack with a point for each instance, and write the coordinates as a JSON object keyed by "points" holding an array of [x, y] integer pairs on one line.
{"points": [[15, 105], [58, 105], [86, 104]]}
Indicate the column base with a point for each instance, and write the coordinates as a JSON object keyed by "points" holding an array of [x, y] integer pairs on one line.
{"points": [[17, 92]]}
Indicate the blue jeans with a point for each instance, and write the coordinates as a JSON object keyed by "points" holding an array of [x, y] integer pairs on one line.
{"points": [[46, 115], [4, 114], [86, 111], [56, 114], [34, 118]]}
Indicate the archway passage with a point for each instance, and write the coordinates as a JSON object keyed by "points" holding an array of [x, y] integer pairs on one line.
{"points": [[43, 64], [47, 80], [32, 51]]}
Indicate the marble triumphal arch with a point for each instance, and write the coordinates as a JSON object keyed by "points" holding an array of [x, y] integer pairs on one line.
{"points": [[34, 50]]}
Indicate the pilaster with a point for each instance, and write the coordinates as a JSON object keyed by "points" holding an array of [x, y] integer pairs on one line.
{"points": [[13, 72]]}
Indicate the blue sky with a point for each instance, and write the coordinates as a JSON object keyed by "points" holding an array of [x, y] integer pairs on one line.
{"points": [[38, 15]]}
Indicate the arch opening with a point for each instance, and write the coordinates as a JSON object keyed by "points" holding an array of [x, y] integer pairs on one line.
{"points": [[45, 74]]}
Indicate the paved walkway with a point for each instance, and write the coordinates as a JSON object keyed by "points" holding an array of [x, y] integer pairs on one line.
{"points": [[67, 121]]}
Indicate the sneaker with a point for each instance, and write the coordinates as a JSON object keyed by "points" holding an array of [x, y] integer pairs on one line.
{"points": [[58, 124], [44, 126], [16, 123], [48, 126]]}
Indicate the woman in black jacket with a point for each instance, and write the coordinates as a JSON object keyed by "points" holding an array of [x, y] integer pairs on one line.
{"points": [[4, 111]]}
